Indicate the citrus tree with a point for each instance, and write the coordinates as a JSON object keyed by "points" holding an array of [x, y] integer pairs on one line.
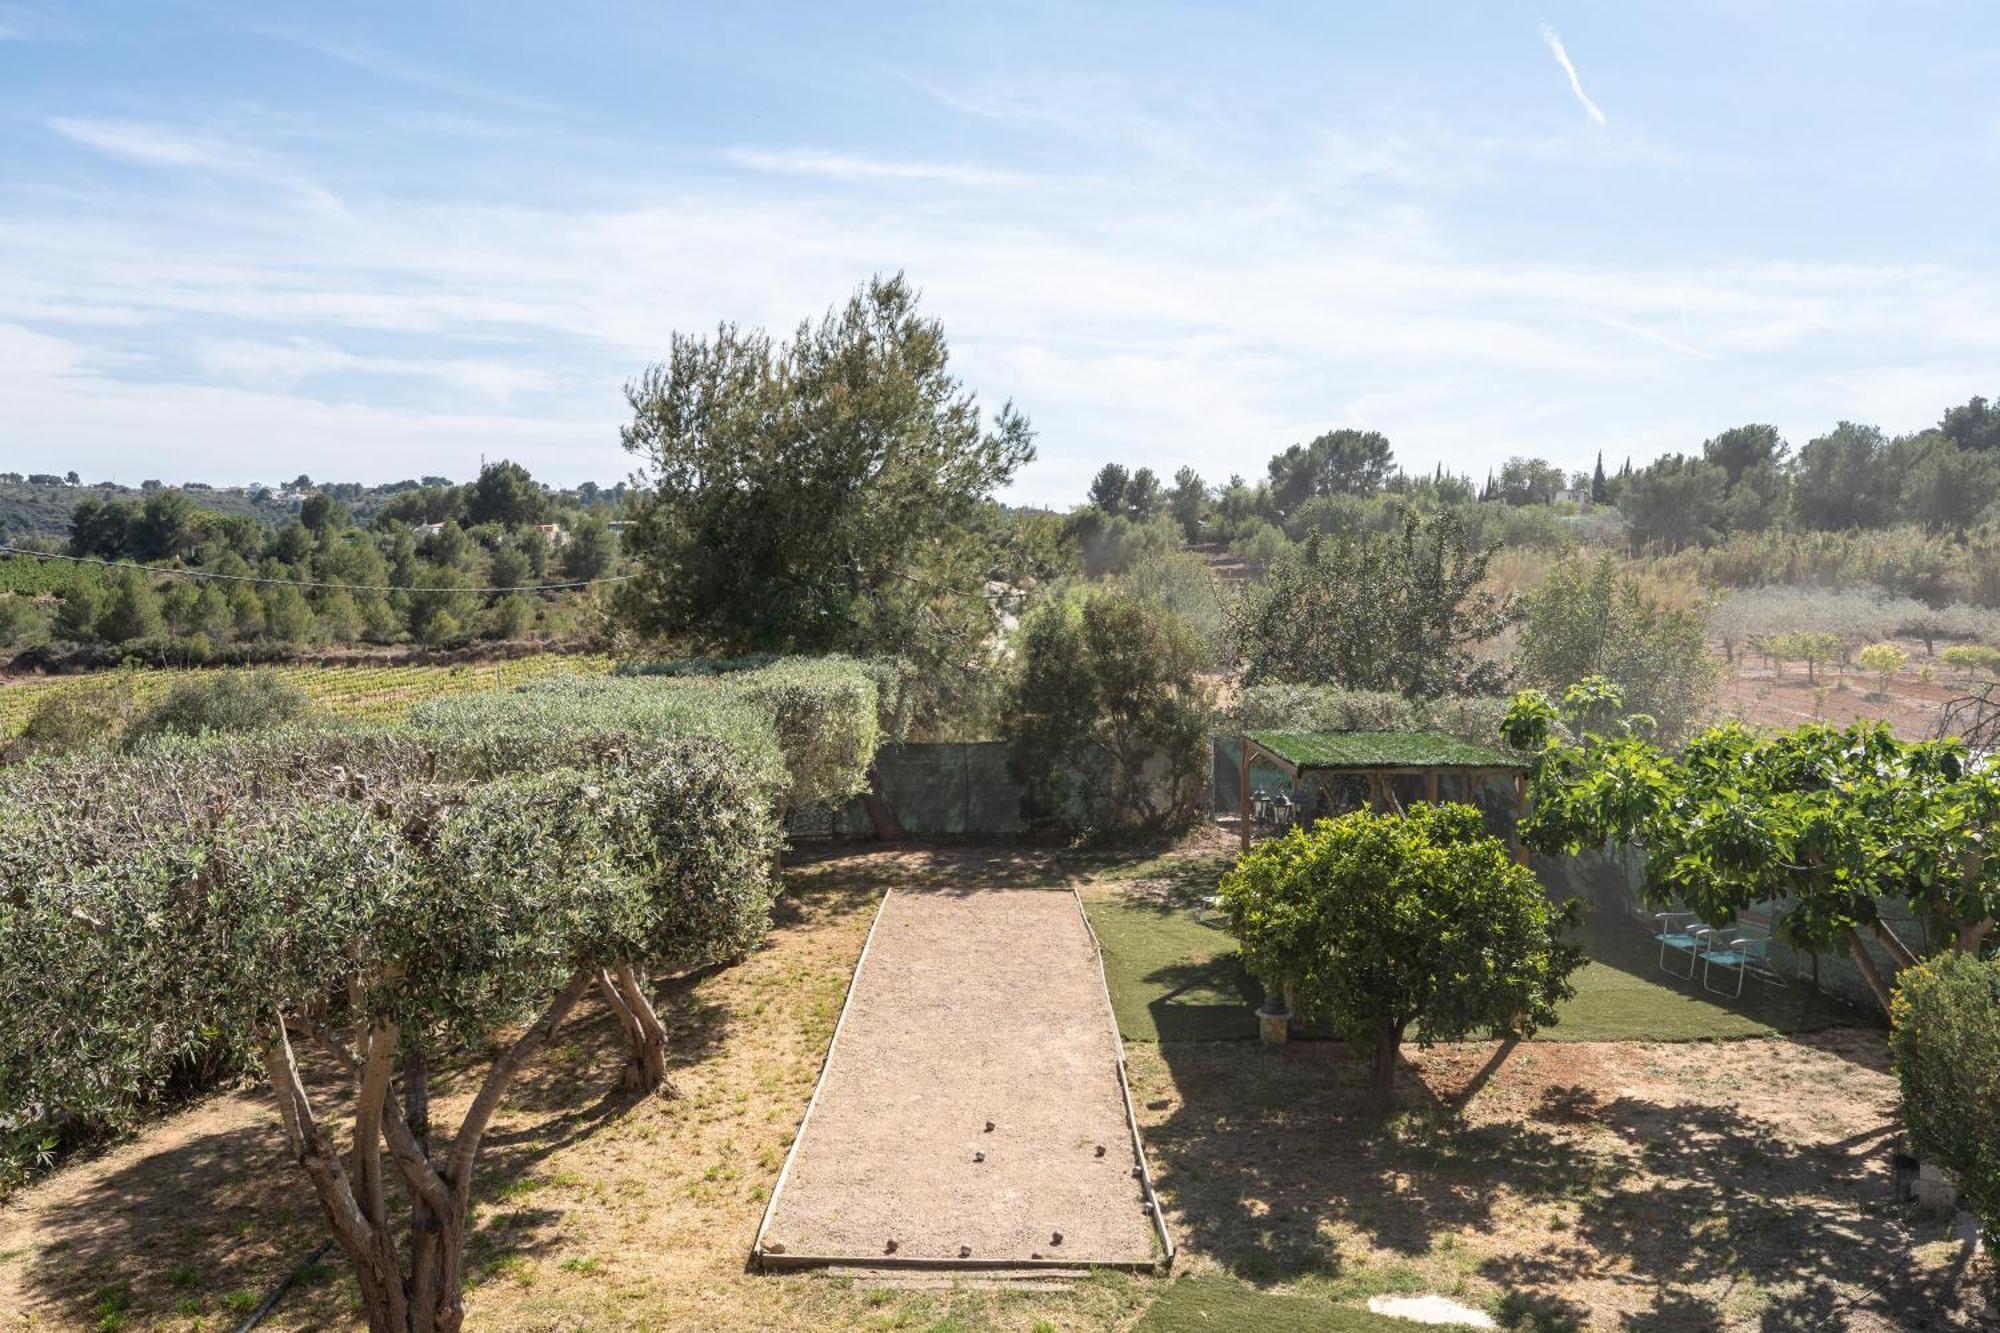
{"points": [[1389, 926], [1827, 824]]}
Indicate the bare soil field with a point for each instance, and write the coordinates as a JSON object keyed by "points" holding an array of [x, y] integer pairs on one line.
{"points": [[1754, 692]]}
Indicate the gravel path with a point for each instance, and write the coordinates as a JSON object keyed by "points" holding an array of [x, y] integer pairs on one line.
{"points": [[978, 1025]]}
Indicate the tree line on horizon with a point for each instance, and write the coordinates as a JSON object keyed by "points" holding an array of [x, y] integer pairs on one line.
{"points": [[188, 584], [1747, 479]]}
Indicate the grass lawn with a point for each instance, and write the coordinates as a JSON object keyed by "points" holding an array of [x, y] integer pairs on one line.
{"points": [[1217, 1305], [1175, 976]]}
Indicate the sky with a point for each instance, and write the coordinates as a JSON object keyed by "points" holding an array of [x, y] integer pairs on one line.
{"points": [[370, 241]]}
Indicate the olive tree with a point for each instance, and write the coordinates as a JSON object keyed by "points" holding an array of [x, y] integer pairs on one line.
{"points": [[1393, 925], [378, 923], [1827, 824], [379, 895]]}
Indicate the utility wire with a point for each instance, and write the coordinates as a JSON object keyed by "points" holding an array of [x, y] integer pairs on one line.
{"points": [[296, 583]]}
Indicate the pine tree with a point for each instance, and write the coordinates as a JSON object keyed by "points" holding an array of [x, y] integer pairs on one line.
{"points": [[1600, 490], [133, 611]]}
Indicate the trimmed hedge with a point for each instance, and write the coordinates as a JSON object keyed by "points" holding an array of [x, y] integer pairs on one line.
{"points": [[1945, 1037], [828, 712]]}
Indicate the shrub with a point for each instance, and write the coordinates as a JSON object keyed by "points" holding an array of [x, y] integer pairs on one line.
{"points": [[1385, 925], [1945, 1038], [22, 621], [1263, 545], [1182, 583], [827, 713], [1117, 679], [1885, 660], [1588, 619], [225, 701], [1113, 543], [66, 720], [1971, 657]]}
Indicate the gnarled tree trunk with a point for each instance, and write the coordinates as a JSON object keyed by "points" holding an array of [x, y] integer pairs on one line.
{"points": [[624, 989], [426, 1295]]}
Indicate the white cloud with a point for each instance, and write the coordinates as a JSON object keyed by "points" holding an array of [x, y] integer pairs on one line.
{"points": [[61, 408], [389, 66], [1555, 44], [156, 145], [290, 363], [847, 167], [1201, 310]]}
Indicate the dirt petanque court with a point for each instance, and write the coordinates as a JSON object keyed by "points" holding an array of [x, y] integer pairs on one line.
{"points": [[972, 1111]]}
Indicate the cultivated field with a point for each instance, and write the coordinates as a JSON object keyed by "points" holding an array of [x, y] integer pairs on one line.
{"points": [[383, 692]]}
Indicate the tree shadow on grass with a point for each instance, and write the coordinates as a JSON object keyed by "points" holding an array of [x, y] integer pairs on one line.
{"points": [[1736, 1222], [226, 1213], [1213, 1000], [1681, 1216], [1268, 1146], [203, 1217]]}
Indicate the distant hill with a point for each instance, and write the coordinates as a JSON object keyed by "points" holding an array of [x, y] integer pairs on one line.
{"points": [[37, 509]]}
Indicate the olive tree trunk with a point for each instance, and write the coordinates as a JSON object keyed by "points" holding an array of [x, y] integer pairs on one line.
{"points": [[624, 990], [419, 1286]]}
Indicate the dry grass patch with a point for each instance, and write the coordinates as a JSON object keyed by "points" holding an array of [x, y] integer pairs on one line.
{"points": [[595, 1211]]}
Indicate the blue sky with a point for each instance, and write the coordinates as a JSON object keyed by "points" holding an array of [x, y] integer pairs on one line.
{"points": [[368, 241]]}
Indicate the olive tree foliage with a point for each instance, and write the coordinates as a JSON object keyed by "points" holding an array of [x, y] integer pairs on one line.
{"points": [[1399, 612], [1109, 678], [1825, 825], [1393, 926], [1944, 1036], [819, 495], [378, 898], [1590, 619], [827, 714]]}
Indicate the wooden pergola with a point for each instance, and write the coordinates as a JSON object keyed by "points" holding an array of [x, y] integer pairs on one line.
{"points": [[1378, 758]]}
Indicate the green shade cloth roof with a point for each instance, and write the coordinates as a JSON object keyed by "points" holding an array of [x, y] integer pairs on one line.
{"points": [[1379, 749]]}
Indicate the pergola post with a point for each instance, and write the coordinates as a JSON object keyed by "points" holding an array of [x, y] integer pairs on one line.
{"points": [[1244, 822], [1520, 809]]}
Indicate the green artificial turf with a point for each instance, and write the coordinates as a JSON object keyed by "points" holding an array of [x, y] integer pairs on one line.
{"points": [[1624, 995], [1224, 1305], [1380, 749], [1174, 977]]}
